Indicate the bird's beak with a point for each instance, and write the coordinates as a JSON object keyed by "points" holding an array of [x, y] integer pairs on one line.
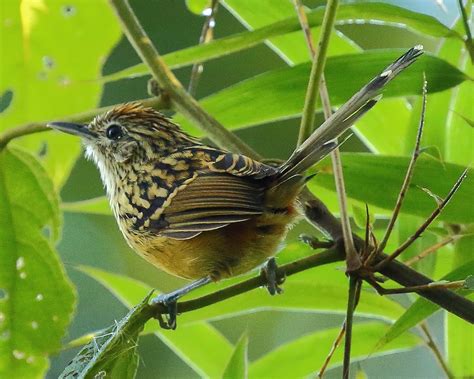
{"points": [[72, 128]]}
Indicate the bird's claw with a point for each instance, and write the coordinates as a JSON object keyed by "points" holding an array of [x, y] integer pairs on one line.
{"points": [[273, 277], [167, 321], [314, 242], [153, 88]]}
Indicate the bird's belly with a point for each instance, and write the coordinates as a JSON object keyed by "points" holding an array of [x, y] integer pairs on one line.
{"points": [[229, 251]]}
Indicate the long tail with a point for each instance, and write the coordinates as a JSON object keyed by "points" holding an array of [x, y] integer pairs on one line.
{"points": [[321, 142]]}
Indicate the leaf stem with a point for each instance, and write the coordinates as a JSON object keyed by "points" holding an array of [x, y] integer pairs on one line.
{"points": [[425, 287], [206, 36], [20, 131], [334, 347], [180, 99], [432, 249], [436, 352]]}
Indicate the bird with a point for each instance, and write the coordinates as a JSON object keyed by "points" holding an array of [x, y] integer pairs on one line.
{"points": [[200, 212]]}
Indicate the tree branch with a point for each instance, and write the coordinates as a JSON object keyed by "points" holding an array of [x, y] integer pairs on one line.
{"points": [[319, 215], [331, 255]]}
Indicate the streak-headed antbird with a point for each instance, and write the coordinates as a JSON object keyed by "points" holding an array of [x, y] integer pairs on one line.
{"points": [[200, 212]]}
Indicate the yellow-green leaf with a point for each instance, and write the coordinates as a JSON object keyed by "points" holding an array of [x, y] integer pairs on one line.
{"points": [[36, 297], [50, 52]]}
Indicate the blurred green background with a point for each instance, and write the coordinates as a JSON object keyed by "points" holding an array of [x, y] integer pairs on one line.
{"points": [[95, 240]]}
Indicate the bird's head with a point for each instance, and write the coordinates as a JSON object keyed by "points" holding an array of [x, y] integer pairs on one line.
{"points": [[129, 133]]}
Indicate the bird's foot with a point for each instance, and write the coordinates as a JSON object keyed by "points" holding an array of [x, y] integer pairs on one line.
{"points": [[314, 242], [274, 277], [153, 88], [170, 301]]}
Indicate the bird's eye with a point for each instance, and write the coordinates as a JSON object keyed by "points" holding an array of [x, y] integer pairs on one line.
{"points": [[114, 132]]}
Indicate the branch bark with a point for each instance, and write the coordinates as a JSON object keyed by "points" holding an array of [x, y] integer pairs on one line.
{"points": [[320, 216]]}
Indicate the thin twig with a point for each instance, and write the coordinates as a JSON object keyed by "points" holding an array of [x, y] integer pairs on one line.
{"points": [[20, 131], [38, 127], [406, 180], [367, 236], [334, 347], [468, 41], [436, 352], [431, 249], [426, 287], [354, 289], [180, 99], [303, 19], [317, 70], [353, 261], [423, 227], [319, 215], [352, 258], [206, 36]]}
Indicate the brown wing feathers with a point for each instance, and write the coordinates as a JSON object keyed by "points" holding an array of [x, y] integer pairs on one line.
{"points": [[212, 201]]}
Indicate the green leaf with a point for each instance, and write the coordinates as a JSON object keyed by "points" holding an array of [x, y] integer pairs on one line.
{"points": [[279, 94], [112, 353], [99, 205], [304, 356], [257, 14], [276, 23], [36, 297], [378, 179], [198, 6], [407, 224], [237, 366], [460, 347], [467, 120], [459, 133], [422, 308], [360, 216], [389, 111], [48, 72], [183, 340], [360, 374], [439, 116], [291, 47]]}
